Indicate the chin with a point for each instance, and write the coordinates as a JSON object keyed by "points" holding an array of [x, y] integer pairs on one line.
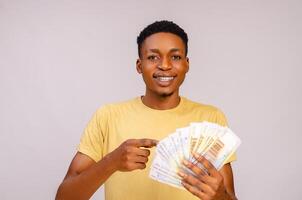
{"points": [[163, 92], [166, 94]]}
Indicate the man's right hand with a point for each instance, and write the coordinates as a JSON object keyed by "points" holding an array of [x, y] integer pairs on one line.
{"points": [[132, 154], [85, 176]]}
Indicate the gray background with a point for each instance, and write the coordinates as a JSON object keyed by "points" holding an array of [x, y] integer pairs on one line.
{"points": [[61, 60]]}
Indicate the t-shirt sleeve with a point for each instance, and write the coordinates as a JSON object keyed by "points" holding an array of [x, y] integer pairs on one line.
{"points": [[92, 140], [220, 119]]}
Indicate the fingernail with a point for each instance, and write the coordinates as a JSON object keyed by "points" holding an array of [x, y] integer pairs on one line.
{"points": [[196, 155], [181, 174], [185, 162]]}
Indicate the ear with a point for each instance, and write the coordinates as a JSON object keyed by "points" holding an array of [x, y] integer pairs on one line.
{"points": [[188, 64], [139, 66]]}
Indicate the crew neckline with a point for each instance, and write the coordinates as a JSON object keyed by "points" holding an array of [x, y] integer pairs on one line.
{"points": [[180, 104]]}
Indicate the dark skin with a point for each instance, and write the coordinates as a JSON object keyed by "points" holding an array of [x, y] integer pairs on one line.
{"points": [[214, 185], [163, 65], [162, 55], [85, 176]]}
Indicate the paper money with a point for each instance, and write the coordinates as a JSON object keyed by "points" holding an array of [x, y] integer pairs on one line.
{"points": [[216, 143]]}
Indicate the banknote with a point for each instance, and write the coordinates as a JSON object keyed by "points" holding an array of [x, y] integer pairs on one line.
{"points": [[216, 143]]}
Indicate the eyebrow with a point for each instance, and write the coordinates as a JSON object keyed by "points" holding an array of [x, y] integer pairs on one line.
{"points": [[157, 51], [174, 49]]}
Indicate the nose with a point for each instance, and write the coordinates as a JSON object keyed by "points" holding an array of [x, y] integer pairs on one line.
{"points": [[165, 64]]}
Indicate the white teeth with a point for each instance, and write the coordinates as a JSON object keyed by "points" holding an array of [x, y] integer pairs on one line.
{"points": [[166, 78]]}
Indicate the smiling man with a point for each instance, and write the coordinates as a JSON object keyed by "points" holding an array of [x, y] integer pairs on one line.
{"points": [[116, 145]]}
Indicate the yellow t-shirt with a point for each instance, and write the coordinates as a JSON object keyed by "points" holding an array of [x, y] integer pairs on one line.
{"points": [[114, 123]]}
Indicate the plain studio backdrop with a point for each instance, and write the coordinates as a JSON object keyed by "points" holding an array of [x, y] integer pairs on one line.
{"points": [[61, 60]]}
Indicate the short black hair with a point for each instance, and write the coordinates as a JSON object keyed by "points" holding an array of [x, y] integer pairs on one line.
{"points": [[162, 26]]}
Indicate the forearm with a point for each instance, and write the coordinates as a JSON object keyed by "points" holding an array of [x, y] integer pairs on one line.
{"points": [[230, 196], [82, 186]]}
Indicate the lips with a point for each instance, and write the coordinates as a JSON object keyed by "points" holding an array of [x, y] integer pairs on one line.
{"points": [[164, 80]]}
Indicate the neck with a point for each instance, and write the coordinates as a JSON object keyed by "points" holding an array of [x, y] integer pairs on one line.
{"points": [[159, 102]]}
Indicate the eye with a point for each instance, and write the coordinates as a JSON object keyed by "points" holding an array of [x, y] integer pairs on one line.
{"points": [[152, 57], [176, 57]]}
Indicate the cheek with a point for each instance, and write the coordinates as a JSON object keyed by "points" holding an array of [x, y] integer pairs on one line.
{"points": [[147, 71], [182, 70], [181, 65], [147, 76]]}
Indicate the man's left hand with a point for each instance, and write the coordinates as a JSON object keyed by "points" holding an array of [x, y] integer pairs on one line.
{"points": [[205, 185]]}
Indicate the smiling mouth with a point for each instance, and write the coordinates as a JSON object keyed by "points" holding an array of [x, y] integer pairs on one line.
{"points": [[165, 78]]}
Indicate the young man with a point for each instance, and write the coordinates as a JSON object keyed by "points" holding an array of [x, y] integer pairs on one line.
{"points": [[117, 143]]}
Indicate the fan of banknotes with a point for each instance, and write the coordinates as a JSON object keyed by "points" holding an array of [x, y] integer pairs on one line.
{"points": [[216, 143]]}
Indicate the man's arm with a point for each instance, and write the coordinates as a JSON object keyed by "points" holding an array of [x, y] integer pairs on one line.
{"points": [[85, 176], [227, 173]]}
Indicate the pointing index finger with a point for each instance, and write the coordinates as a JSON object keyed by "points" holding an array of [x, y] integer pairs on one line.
{"points": [[145, 142]]}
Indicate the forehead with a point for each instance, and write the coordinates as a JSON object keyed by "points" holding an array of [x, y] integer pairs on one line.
{"points": [[163, 42]]}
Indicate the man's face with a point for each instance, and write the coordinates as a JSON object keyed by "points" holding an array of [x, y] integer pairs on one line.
{"points": [[163, 63]]}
